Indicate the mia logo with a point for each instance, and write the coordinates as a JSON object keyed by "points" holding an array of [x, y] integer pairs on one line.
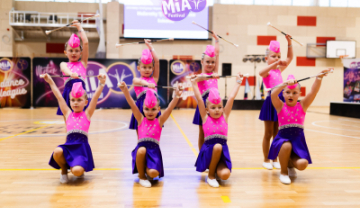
{"points": [[178, 67], [6, 65], [177, 10]]}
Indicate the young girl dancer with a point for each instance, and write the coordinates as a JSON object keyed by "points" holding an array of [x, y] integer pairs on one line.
{"points": [[289, 144], [272, 76], [210, 66], [146, 157], [75, 153], [74, 68], [214, 153], [149, 72]]}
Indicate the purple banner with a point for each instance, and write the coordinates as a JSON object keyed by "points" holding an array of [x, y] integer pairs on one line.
{"points": [[116, 70]]}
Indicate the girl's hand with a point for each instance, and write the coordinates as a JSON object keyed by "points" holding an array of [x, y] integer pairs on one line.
{"points": [[324, 71], [148, 44], [74, 75], [76, 24], [178, 90], [282, 63], [291, 82], [46, 77], [215, 36], [122, 86], [151, 85], [215, 76], [102, 78], [239, 77], [288, 38]]}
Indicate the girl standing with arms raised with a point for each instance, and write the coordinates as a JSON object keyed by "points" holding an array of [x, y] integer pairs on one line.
{"points": [[272, 76], [74, 68], [210, 67]]}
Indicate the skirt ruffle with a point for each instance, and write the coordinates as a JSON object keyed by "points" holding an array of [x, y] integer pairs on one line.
{"points": [[205, 154], [296, 137], [197, 117], [268, 112], [66, 94], [140, 104], [153, 157], [77, 152]]}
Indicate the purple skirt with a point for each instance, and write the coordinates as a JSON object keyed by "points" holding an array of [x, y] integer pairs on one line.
{"points": [[77, 152], [153, 157], [140, 104], [268, 112], [66, 94], [197, 117], [205, 154], [296, 137]]}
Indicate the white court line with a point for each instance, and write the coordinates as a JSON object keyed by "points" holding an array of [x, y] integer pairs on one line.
{"points": [[332, 133], [314, 123], [125, 125]]}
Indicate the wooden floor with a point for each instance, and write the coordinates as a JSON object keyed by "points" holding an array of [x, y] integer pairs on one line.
{"points": [[28, 137]]}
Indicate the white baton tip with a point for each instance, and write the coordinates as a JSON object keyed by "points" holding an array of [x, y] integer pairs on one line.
{"points": [[268, 23]]}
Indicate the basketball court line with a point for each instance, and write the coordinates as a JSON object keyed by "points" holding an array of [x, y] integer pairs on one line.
{"points": [[125, 125], [177, 169], [28, 131], [185, 137]]}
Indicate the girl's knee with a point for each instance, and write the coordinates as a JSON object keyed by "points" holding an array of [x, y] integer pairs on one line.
{"points": [[286, 146], [77, 170], [224, 174], [302, 164], [152, 173], [217, 148], [141, 151], [58, 152]]}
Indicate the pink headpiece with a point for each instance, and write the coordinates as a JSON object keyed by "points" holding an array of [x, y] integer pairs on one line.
{"points": [[214, 96], [210, 50], [274, 46], [150, 99], [74, 41], [291, 86], [146, 57], [77, 90]]}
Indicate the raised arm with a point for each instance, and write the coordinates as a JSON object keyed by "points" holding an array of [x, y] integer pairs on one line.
{"points": [[289, 57], [156, 60], [199, 99], [232, 96], [85, 41], [62, 103], [92, 106], [137, 114], [309, 98], [165, 115], [277, 103], [217, 52]]}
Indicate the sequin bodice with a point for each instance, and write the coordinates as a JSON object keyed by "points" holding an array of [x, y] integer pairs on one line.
{"points": [[205, 85], [140, 90], [76, 67], [291, 116], [274, 78], [78, 123], [149, 130], [215, 127]]}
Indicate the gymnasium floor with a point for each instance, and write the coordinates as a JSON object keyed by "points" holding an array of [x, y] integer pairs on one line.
{"points": [[28, 137]]}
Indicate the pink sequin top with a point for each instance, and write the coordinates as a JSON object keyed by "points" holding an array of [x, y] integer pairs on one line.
{"points": [[291, 116], [205, 85], [77, 123], [149, 130], [215, 128], [274, 78], [76, 67], [142, 90]]}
